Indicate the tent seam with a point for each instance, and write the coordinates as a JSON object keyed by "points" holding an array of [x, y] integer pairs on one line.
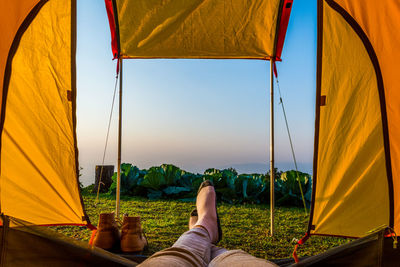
{"points": [[278, 24], [73, 100], [317, 108], [116, 20]]}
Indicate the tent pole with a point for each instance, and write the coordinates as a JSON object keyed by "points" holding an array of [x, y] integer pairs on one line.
{"points": [[271, 150], [119, 142]]}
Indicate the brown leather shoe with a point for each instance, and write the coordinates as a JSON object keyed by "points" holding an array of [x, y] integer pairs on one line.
{"points": [[107, 235], [132, 236]]}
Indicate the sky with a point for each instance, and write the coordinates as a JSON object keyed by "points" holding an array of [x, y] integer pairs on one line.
{"points": [[195, 114]]}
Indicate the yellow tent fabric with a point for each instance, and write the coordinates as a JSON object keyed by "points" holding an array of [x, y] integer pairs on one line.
{"points": [[380, 26], [38, 143], [356, 165], [12, 16], [197, 29]]}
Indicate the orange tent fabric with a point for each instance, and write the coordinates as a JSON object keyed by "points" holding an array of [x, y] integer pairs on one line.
{"points": [[39, 168], [199, 29], [357, 146], [12, 16]]}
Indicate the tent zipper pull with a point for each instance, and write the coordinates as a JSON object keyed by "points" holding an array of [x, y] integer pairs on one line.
{"points": [[394, 236]]}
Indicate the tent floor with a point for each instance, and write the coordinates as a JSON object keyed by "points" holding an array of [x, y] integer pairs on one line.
{"points": [[133, 257], [27, 245]]}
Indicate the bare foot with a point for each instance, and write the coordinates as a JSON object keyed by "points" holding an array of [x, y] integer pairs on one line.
{"points": [[207, 212]]}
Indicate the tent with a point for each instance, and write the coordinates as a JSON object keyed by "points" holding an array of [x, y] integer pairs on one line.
{"points": [[38, 149], [355, 187]]}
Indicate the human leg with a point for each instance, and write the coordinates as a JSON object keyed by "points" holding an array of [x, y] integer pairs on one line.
{"points": [[207, 211], [194, 246], [216, 251], [235, 258], [191, 249]]}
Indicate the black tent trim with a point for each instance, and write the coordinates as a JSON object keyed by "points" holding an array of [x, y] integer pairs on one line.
{"points": [[317, 109]]}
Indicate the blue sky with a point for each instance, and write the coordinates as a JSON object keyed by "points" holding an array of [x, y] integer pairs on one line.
{"points": [[195, 114]]}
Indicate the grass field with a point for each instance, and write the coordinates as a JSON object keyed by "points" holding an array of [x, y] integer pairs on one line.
{"points": [[244, 227]]}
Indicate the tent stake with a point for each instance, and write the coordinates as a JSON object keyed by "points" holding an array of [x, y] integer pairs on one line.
{"points": [[271, 150], [119, 143]]}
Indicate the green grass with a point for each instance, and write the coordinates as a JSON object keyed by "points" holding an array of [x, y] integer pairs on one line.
{"points": [[244, 227]]}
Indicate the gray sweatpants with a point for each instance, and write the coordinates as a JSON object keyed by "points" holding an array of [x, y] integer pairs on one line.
{"points": [[194, 248]]}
